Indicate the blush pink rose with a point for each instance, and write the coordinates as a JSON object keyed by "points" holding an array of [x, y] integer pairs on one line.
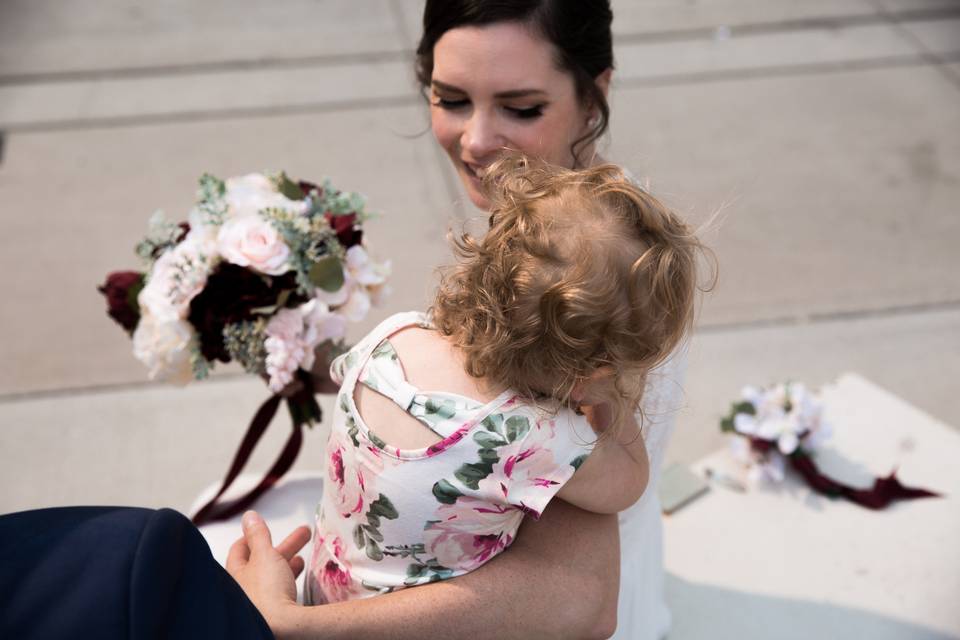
{"points": [[525, 475], [330, 572], [469, 532], [251, 241], [292, 336], [349, 486]]}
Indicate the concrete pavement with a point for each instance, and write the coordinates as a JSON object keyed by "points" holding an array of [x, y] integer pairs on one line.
{"points": [[827, 134]]}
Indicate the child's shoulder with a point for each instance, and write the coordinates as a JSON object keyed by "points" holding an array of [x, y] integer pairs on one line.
{"points": [[355, 354], [391, 325], [546, 420]]}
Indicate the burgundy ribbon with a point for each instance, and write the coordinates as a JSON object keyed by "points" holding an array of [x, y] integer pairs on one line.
{"points": [[303, 410], [883, 492]]}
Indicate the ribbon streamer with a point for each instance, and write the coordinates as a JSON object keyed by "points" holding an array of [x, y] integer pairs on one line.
{"points": [[883, 492], [303, 410]]}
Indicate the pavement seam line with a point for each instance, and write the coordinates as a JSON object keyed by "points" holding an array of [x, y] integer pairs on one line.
{"points": [[933, 58], [821, 318], [880, 16], [697, 77]]}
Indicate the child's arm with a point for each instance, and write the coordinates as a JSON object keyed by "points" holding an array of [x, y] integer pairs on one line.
{"points": [[539, 587], [615, 474]]}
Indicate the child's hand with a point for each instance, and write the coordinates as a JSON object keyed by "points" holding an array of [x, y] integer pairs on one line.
{"points": [[267, 574]]}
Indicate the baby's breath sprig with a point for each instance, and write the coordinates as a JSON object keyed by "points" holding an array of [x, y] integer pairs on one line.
{"points": [[244, 342], [201, 366], [210, 199], [336, 203], [312, 242], [161, 235]]}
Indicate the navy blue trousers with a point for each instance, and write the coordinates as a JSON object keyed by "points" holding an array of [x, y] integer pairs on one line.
{"points": [[116, 573]]}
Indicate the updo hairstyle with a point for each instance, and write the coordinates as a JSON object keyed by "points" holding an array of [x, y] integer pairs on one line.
{"points": [[579, 31]]}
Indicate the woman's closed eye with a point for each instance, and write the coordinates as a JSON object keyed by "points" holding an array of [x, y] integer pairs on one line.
{"points": [[526, 113], [447, 103]]}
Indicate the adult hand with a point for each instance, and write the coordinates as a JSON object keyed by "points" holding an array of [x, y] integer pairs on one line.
{"points": [[267, 574]]}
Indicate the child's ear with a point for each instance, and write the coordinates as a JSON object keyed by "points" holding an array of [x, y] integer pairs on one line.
{"points": [[582, 389]]}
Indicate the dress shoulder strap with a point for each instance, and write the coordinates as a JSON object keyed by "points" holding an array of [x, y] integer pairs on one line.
{"points": [[442, 413]]}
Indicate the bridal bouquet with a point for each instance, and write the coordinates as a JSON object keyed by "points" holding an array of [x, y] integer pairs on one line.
{"points": [[784, 423], [264, 271], [774, 423]]}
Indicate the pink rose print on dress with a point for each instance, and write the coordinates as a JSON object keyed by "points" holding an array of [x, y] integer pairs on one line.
{"points": [[330, 572], [449, 441], [347, 482], [524, 472], [469, 532]]}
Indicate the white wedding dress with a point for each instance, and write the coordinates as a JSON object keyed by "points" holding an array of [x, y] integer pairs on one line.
{"points": [[642, 611]]}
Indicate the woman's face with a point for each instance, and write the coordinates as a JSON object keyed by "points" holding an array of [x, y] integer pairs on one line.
{"points": [[497, 87]]}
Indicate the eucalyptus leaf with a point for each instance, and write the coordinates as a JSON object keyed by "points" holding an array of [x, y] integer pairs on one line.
{"points": [[488, 440], [373, 533], [289, 188], [327, 274], [359, 537], [374, 552], [383, 507], [744, 407], [472, 473], [445, 492], [517, 427]]}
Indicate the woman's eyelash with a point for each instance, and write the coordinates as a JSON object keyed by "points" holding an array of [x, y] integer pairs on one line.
{"points": [[451, 104], [521, 113], [525, 114]]}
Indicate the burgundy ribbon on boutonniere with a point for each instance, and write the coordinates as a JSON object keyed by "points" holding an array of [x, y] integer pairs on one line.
{"points": [[883, 492], [304, 410]]}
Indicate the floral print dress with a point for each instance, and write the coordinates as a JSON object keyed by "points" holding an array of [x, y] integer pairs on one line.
{"points": [[391, 518]]}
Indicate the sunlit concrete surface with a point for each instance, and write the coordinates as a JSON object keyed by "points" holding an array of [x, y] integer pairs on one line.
{"points": [[818, 141]]}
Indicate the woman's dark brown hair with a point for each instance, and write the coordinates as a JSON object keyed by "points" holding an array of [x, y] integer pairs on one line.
{"points": [[579, 31]]}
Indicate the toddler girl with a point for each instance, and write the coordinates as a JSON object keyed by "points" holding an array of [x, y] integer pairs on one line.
{"points": [[521, 384]]}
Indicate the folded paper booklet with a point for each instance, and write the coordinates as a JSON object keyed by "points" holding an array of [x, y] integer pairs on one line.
{"points": [[678, 487]]}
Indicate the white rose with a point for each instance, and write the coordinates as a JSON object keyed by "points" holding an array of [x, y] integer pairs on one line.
{"points": [[202, 236], [176, 278], [251, 241], [164, 347], [364, 270], [357, 305], [249, 194], [320, 324]]}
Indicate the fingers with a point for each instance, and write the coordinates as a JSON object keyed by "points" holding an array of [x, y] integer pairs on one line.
{"points": [[238, 555], [296, 565], [294, 542], [255, 532]]}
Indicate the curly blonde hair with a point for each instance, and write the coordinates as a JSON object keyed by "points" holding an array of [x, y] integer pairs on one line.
{"points": [[579, 270]]}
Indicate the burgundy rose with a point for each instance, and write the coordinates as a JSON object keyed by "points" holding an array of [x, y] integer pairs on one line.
{"points": [[121, 290], [230, 295], [307, 187], [343, 226]]}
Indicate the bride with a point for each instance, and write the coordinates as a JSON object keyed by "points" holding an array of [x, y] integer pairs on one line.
{"points": [[533, 76]]}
